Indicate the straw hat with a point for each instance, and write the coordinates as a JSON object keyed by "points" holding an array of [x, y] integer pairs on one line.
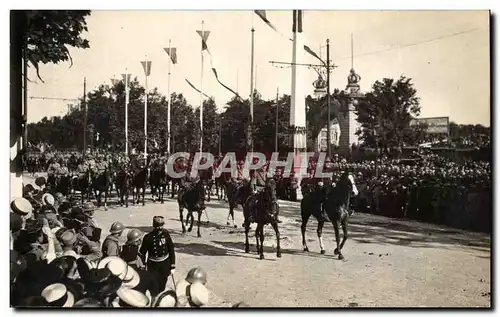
{"points": [[132, 278], [182, 288], [57, 295], [22, 207], [68, 238], [167, 298], [132, 298], [48, 199], [198, 294], [116, 266]]}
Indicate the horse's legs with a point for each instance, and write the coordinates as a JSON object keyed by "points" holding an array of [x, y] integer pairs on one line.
{"points": [[199, 220], [126, 189], [162, 192], [278, 247], [344, 238], [337, 238], [230, 214], [206, 215], [246, 224], [257, 237], [182, 219], [261, 234], [305, 218], [106, 200], [192, 221], [143, 193], [319, 231]]}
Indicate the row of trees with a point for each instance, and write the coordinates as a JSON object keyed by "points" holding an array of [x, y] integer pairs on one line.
{"points": [[384, 114]]}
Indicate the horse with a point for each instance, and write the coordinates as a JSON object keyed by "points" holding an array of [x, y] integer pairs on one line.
{"points": [[123, 183], [237, 194], [331, 204], [158, 179], [221, 182], [82, 183], [63, 184], [179, 166], [139, 181], [206, 177], [100, 183], [193, 199], [262, 208]]}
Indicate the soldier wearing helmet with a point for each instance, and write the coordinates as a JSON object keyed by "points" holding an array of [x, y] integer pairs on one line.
{"points": [[159, 249], [130, 251], [111, 245]]}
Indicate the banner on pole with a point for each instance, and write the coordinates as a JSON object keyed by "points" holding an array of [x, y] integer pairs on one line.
{"points": [[147, 67], [204, 37], [172, 52], [126, 79]]}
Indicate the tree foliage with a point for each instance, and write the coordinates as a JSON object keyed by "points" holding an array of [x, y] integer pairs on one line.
{"points": [[50, 32], [386, 112]]}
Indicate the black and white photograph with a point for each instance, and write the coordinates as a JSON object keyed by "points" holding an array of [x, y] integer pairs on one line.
{"points": [[257, 158]]}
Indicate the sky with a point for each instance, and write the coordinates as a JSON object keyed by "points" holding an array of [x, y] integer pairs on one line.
{"points": [[446, 53]]}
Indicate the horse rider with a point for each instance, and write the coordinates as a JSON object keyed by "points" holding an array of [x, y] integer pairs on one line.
{"points": [[158, 252], [111, 244], [274, 200]]}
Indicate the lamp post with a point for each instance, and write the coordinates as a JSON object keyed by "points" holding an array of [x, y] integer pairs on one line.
{"points": [[221, 117], [322, 89]]}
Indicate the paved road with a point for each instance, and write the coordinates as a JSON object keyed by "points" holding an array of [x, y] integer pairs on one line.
{"points": [[389, 263]]}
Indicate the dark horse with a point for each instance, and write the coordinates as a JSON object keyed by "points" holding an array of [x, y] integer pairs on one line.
{"points": [[237, 194], [193, 199], [158, 179], [100, 185], [329, 204], [123, 182], [262, 209], [139, 181]]}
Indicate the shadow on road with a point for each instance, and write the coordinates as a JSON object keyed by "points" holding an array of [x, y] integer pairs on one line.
{"points": [[271, 250], [367, 228]]}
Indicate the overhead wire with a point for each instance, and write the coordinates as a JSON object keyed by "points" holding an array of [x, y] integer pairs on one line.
{"points": [[399, 46]]}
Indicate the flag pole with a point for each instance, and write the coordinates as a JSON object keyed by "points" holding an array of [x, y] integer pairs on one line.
{"points": [[169, 100], [146, 113], [201, 91], [277, 121], [127, 97], [250, 127]]}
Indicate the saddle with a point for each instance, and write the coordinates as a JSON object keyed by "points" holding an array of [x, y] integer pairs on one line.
{"points": [[256, 203]]}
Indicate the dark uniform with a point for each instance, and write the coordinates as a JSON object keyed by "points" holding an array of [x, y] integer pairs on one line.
{"points": [[159, 249]]}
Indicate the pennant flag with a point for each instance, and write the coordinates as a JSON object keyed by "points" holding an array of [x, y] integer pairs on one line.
{"points": [[204, 37], [217, 77], [192, 86], [126, 79], [172, 52], [262, 15], [297, 25], [310, 51], [114, 82], [147, 67]]}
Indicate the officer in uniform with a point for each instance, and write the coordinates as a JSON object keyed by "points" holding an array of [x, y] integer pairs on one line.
{"points": [[111, 245], [158, 248]]}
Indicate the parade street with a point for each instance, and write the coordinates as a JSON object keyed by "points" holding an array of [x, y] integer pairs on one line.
{"points": [[389, 262]]}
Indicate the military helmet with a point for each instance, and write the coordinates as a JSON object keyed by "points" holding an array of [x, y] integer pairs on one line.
{"points": [[134, 235], [197, 274], [116, 227]]}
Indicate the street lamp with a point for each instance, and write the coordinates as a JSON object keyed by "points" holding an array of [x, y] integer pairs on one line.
{"points": [[322, 88]]}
